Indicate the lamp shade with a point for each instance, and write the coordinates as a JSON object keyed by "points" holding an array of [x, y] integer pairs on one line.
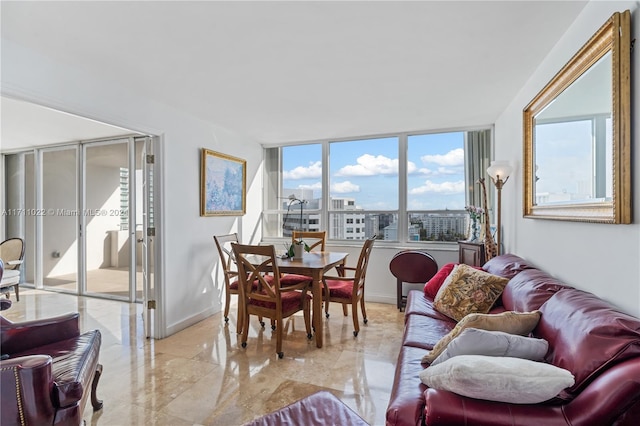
{"points": [[499, 169]]}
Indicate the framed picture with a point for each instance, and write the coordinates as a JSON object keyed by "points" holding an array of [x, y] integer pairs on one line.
{"points": [[222, 184]]}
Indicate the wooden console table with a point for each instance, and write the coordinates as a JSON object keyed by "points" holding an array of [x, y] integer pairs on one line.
{"points": [[471, 253]]}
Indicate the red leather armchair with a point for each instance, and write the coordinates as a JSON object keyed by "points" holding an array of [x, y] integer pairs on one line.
{"points": [[49, 371]]}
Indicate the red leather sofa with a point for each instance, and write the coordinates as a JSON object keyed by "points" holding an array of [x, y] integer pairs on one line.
{"points": [[50, 371], [586, 335]]}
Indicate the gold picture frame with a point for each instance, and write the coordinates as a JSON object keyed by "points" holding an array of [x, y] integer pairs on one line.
{"points": [[223, 184], [563, 100]]}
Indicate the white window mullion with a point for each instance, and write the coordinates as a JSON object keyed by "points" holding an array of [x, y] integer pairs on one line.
{"points": [[403, 220], [326, 193]]}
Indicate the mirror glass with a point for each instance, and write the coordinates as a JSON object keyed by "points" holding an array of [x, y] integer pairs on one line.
{"points": [[573, 137], [576, 152]]}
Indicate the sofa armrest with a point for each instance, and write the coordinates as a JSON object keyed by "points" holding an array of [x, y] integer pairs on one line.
{"points": [[448, 408], [610, 397], [26, 384], [21, 336]]}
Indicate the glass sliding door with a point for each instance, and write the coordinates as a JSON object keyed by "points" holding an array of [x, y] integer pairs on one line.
{"points": [[20, 208], [145, 230], [105, 219], [86, 213], [58, 213]]}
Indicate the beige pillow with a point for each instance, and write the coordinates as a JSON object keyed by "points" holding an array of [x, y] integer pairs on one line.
{"points": [[468, 290], [511, 322]]}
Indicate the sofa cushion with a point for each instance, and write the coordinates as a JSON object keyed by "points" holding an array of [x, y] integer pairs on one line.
{"points": [[510, 322], [506, 265], [504, 379], [419, 304], [467, 290], [424, 332], [586, 335], [474, 341], [528, 290]]}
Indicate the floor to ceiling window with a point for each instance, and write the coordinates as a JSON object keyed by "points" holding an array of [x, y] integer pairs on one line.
{"points": [[407, 187]]}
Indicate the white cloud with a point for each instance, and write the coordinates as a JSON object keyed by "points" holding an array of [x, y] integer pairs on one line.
{"points": [[368, 165], [344, 187], [425, 171], [439, 188], [452, 158], [313, 171], [314, 186]]}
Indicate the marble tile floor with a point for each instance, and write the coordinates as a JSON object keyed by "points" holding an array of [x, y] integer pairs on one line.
{"points": [[202, 376]]}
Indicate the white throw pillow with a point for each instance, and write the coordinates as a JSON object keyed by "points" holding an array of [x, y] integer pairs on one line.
{"points": [[504, 379], [473, 341]]}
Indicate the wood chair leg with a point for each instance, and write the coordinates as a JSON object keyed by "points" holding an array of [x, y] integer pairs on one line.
{"points": [[279, 339], [240, 320], [95, 402], [364, 311], [356, 323], [227, 302], [345, 311], [307, 320], [245, 330]]}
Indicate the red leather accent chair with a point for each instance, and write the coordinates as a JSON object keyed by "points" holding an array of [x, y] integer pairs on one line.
{"points": [[48, 370]]}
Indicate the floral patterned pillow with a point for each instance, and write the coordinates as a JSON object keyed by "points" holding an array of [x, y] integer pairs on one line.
{"points": [[468, 290]]}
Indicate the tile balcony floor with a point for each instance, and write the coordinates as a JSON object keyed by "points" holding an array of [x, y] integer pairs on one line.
{"points": [[202, 376]]}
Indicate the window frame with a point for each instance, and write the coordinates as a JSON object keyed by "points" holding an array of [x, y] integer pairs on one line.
{"points": [[402, 213]]}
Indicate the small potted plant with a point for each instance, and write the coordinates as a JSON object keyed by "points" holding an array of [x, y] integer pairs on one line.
{"points": [[297, 248]]}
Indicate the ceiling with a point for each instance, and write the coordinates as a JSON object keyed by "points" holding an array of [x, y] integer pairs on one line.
{"points": [[293, 71]]}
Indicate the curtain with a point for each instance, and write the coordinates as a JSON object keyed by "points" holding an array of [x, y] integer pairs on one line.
{"points": [[478, 158]]}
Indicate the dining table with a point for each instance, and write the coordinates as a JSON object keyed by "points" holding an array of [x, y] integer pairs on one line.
{"points": [[313, 264]]}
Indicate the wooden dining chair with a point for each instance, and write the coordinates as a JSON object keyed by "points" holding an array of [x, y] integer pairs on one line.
{"points": [[315, 240], [350, 290], [231, 283], [262, 295]]}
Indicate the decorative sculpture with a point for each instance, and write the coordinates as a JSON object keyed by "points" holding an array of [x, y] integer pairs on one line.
{"points": [[490, 246]]}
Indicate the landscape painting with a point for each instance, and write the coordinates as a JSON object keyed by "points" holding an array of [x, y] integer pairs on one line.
{"points": [[222, 184]]}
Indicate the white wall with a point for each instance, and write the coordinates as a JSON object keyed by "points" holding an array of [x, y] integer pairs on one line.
{"points": [[189, 254], [600, 258]]}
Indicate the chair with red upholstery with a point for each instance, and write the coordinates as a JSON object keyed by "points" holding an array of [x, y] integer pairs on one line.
{"points": [[350, 290], [313, 240], [223, 243], [262, 295], [48, 371]]}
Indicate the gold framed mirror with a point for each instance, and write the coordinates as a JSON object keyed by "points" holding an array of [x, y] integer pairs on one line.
{"points": [[577, 140]]}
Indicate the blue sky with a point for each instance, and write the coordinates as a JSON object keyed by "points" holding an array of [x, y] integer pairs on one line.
{"points": [[367, 170], [564, 158]]}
